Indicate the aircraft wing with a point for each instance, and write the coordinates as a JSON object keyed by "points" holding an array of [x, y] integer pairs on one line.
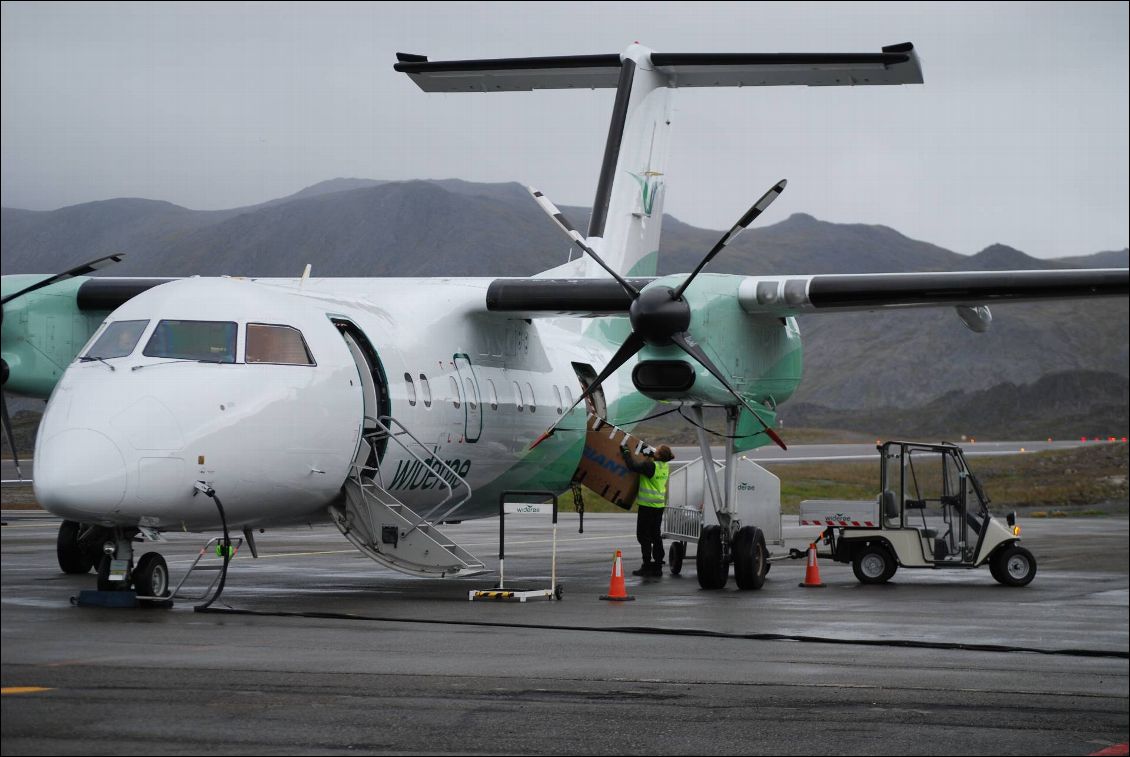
{"points": [[796, 295]]}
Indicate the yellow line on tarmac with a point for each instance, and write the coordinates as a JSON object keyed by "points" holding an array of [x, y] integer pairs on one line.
{"points": [[300, 554], [22, 690]]}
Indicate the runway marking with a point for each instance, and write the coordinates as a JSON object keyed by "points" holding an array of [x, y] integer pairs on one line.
{"points": [[22, 690]]}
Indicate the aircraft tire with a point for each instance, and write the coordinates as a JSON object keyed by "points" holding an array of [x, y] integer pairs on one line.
{"points": [[712, 569], [1013, 566], [72, 558], [874, 564], [750, 558], [151, 576]]}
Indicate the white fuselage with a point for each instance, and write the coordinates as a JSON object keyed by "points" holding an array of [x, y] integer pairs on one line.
{"points": [[124, 440]]}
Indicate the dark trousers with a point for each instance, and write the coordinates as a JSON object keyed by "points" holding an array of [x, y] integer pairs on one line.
{"points": [[649, 527]]}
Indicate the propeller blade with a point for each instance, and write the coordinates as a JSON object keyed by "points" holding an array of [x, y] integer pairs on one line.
{"points": [[630, 347], [757, 209], [689, 346], [563, 223], [10, 435], [80, 270]]}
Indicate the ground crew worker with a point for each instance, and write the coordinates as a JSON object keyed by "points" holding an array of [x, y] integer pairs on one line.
{"points": [[650, 501]]}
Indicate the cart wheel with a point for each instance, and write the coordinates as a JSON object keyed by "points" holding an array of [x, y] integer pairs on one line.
{"points": [[874, 564], [675, 554], [749, 558], [712, 569], [558, 592], [1013, 566]]}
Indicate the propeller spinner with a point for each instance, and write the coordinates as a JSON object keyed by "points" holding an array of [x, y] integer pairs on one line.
{"points": [[660, 316]]}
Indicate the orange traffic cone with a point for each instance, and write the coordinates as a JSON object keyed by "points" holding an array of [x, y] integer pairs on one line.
{"points": [[616, 590], [812, 572]]}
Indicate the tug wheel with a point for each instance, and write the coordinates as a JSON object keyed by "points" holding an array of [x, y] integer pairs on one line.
{"points": [[1013, 566], [874, 564]]}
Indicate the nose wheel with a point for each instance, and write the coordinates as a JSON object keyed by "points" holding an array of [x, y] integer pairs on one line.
{"points": [[149, 579]]}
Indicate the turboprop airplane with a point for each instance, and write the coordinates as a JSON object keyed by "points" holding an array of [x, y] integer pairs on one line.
{"points": [[394, 405]]}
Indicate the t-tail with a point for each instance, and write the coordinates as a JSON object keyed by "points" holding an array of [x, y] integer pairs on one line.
{"points": [[628, 207]]}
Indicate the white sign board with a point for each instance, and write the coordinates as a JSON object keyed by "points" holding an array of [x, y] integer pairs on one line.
{"points": [[527, 508]]}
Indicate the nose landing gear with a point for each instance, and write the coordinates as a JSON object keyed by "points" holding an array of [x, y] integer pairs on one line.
{"points": [[79, 547]]}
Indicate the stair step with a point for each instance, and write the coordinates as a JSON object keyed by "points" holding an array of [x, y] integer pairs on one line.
{"points": [[421, 549]]}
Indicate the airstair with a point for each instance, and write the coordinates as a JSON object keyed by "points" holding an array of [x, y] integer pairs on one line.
{"points": [[388, 531]]}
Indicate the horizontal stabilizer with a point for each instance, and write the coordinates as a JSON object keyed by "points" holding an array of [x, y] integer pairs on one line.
{"points": [[897, 64]]}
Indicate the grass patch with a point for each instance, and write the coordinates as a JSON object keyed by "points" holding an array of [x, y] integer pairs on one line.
{"points": [[1054, 484]]}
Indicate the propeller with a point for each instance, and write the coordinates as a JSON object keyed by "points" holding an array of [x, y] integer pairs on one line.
{"points": [[563, 224], [79, 270], [659, 315]]}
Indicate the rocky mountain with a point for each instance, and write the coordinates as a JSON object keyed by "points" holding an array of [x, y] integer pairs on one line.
{"points": [[1066, 405], [364, 227]]}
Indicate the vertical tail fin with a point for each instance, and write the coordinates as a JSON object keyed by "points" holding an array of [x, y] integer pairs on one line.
{"points": [[627, 213]]}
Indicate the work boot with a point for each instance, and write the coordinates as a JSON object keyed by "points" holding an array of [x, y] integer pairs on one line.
{"points": [[657, 570], [644, 570]]}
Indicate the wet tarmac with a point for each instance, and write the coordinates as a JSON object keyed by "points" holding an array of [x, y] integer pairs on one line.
{"points": [[316, 649]]}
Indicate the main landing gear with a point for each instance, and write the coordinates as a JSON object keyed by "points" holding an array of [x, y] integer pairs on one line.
{"points": [[746, 550], [79, 547]]}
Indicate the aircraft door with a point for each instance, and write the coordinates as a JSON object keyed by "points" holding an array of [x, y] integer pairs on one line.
{"points": [[374, 390], [472, 405]]}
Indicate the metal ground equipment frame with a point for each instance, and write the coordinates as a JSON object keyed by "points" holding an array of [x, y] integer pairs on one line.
{"points": [[555, 590], [743, 520]]}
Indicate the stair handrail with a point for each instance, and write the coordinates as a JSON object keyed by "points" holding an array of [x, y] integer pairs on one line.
{"points": [[385, 425]]}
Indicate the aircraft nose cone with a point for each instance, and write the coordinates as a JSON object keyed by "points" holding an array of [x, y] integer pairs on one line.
{"points": [[80, 474]]}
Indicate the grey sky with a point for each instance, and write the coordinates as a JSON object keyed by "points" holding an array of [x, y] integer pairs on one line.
{"points": [[1020, 134]]}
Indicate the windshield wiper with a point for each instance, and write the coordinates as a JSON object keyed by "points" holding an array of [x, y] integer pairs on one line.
{"points": [[178, 360], [92, 358]]}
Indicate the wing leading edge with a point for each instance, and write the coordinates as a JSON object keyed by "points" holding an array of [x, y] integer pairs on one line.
{"points": [[794, 295]]}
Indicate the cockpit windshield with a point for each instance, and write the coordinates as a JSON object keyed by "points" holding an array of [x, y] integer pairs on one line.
{"points": [[282, 345], [207, 341], [118, 340]]}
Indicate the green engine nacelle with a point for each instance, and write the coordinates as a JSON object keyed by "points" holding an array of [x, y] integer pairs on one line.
{"points": [[42, 332], [760, 355]]}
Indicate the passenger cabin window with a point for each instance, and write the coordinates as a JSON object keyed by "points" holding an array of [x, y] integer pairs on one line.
{"points": [[454, 392], [426, 390], [493, 394], [557, 396], [206, 341], [411, 386], [533, 402], [118, 340], [518, 396], [472, 393], [281, 345]]}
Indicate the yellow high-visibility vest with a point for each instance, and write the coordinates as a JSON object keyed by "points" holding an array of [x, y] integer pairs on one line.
{"points": [[653, 490]]}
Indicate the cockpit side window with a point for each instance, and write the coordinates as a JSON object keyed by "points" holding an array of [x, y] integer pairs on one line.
{"points": [[118, 340], [207, 341], [281, 345]]}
